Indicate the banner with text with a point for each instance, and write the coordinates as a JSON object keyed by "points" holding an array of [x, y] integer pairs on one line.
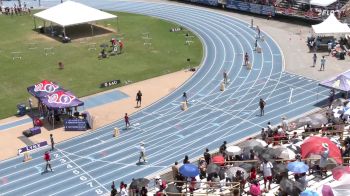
{"points": [[251, 7], [32, 147]]}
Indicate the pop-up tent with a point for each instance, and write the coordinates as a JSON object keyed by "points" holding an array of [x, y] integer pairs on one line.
{"points": [[72, 13], [340, 82], [43, 88], [331, 26], [61, 99]]}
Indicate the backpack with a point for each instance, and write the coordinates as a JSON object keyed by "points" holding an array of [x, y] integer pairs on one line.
{"points": [[163, 185]]}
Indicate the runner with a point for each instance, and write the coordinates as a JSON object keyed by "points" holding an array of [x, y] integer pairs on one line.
{"points": [[184, 97], [246, 59], [47, 158], [262, 104], [138, 98], [142, 153], [225, 77], [52, 143], [127, 123]]}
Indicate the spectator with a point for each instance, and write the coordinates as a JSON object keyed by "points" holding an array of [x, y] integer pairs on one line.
{"points": [[207, 156], [263, 134], [143, 191], [251, 154], [252, 175], [158, 183], [266, 168], [324, 158], [114, 190], [202, 165], [254, 189], [285, 124], [240, 179], [186, 160], [223, 148], [175, 169]]}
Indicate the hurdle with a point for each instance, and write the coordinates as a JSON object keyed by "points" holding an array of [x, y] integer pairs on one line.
{"points": [[48, 51], [16, 55], [92, 46], [32, 46]]}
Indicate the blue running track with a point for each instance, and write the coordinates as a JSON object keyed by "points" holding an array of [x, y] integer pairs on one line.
{"points": [[86, 165]]}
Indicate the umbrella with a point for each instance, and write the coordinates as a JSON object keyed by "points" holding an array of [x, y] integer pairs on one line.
{"points": [[212, 168], [139, 183], [231, 172], [189, 170], [304, 121], [290, 187], [283, 153], [314, 145], [327, 190], [280, 168], [218, 159], [250, 144], [339, 171], [246, 166], [330, 164], [308, 193], [296, 149], [222, 174], [342, 187], [172, 189], [297, 167], [104, 45], [233, 150], [318, 119], [255, 189]]}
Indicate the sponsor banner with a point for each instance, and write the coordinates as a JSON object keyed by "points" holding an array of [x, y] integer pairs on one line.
{"points": [[110, 83], [75, 125], [32, 147], [251, 7], [206, 2]]}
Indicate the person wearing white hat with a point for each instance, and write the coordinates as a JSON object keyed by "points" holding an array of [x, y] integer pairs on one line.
{"points": [[142, 153], [324, 157], [285, 125]]}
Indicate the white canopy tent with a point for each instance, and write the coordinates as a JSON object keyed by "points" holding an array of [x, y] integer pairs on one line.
{"points": [[322, 3], [331, 26], [72, 13]]}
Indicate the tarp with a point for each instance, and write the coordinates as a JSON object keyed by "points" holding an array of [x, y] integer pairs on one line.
{"points": [[61, 99], [72, 13], [331, 26], [43, 88], [340, 82], [322, 3]]}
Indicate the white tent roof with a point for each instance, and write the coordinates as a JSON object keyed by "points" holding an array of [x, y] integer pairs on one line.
{"points": [[72, 13], [331, 26], [322, 3]]}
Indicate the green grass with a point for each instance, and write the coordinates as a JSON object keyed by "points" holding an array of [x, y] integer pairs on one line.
{"points": [[83, 72]]}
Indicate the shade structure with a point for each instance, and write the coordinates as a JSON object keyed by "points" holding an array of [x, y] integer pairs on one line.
{"points": [[331, 26], [322, 3], [72, 13], [61, 99], [44, 88], [340, 171], [233, 150], [189, 170], [218, 159], [297, 167], [309, 193], [314, 145], [283, 152], [340, 82]]}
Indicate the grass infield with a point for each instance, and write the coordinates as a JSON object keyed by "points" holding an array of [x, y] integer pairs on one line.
{"points": [[83, 72]]}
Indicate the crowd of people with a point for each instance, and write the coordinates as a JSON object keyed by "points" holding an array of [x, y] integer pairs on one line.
{"points": [[15, 10]]}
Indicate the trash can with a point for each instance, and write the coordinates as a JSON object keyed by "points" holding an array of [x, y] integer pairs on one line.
{"points": [[21, 109]]}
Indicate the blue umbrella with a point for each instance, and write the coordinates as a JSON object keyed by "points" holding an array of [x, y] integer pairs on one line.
{"points": [[308, 193], [189, 170], [297, 167]]}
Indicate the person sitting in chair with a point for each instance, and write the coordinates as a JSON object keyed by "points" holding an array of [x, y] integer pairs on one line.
{"points": [[103, 54]]}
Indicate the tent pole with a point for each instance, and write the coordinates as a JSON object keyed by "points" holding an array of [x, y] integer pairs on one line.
{"points": [[64, 31], [118, 24], [34, 23], [44, 26]]}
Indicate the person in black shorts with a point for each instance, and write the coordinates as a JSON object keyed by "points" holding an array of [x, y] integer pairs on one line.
{"points": [[138, 98], [262, 104]]}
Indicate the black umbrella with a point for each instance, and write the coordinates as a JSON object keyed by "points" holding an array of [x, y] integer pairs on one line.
{"points": [[172, 190], [246, 166], [280, 168], [290, 187], [231, 172], [212, 168], [139, 183]]}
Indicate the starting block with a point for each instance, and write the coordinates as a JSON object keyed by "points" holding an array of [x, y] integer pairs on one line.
{"points": [[222, 86], [116, 132], [183, 106], [26, 157]]}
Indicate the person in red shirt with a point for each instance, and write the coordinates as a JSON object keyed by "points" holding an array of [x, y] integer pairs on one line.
{"points": [[126, 119], [47, 158], [252, 175]]}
